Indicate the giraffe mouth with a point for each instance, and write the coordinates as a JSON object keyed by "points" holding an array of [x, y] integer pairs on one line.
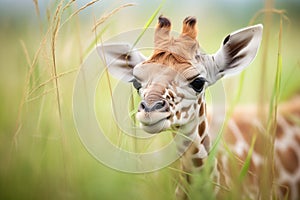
{"points": [[153, 122]]}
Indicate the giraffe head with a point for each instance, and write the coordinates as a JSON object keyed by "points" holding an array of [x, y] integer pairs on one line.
{"points": [[172, 81]]}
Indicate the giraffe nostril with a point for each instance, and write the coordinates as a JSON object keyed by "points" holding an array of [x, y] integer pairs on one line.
{"points": [[143, 106], [161, 106]]}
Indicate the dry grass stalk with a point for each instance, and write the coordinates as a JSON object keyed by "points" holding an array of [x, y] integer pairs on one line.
{"points": [[77, 11], [41, 95], [37, 10], [50, 80], [56, 21], [25, 52], [104, 18], [267, 183], [24, 96], [282, 13], [68, 5]]}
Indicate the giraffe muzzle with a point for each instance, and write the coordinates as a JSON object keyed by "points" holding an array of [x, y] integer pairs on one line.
{"points": [[154, 117]]}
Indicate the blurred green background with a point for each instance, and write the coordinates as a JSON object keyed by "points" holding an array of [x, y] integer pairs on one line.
{"points": [[41, 154]]}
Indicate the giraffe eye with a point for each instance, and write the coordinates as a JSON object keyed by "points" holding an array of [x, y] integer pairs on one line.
{"points": [[137, 85], [198, 84]]}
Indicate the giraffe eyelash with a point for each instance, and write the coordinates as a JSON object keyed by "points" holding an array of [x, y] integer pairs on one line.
{"points": [[136, 84], [198, 84]]}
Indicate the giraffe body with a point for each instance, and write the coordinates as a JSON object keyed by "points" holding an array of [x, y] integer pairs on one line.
{"points": [[238, 135], [172, 83]]}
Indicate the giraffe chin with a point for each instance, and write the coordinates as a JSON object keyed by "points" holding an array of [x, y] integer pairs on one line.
{"points": [[153, 122], [155, 128]]}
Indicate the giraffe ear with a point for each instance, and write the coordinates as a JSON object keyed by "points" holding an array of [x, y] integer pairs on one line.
{"points": [[236, 52], [120, 59]]}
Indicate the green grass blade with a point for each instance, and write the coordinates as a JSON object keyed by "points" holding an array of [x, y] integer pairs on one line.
{"points": [[276, 89], [246, 165], [148, 23], [271, 123], [95, 41], [182, 135], [229, 113]]}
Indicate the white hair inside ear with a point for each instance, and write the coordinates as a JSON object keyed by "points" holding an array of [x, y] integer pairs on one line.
{"points": [[237, 51], [120, 59]]}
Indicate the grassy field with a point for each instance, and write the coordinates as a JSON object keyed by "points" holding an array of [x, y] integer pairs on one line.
{"points": [[42, 48]]}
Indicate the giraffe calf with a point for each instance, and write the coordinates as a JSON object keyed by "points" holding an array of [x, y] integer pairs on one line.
{"points": [[171, 84]]}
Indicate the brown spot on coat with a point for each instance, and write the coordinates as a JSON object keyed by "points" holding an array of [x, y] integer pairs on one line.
{"points": [[201, 128], [197, 162], [199, 101], [248, 131], [289, 159], [285, 189], [206, 143], [185, 110], [279, 131], [289, 120], [171, 95], [298, 187], [229, 137], [178, 114], [201, 111], [195, 149], [297, 137]]}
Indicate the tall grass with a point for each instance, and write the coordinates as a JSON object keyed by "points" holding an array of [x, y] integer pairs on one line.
{"points": [[41, 154], [268, 187], [268, 184]]}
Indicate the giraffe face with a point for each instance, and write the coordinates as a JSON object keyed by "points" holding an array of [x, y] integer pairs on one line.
{"points": [[172, 81], [169, 97]]}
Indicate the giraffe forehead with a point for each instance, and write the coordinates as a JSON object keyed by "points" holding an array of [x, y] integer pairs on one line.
{"points": [[154, 72], [165, 74], [183, 46]]}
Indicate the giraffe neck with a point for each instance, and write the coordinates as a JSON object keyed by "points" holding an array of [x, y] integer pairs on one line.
{"points": [[195, 149], [198, 147]]}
